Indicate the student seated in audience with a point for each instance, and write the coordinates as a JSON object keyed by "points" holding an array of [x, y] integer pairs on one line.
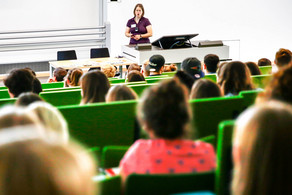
{"points": [[253, 68], [145, 72], [109, 70], [262, 150], [58, 75], [170, 68], [120, 92], [37, 166], [234, 77], [205, 88], [279, 88], [283, 58], [94, 85], [193, 67], [133, 66], [27, 98], [156, 65], [135, 76], [51, 118], [211, 62], [185, 79], [264, 62], [72, 78], [19, 81], [37, 86], [164, 113]]}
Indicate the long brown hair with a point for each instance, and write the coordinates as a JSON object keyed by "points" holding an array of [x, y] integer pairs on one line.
{"points": [[73, 76], [261, 150], [235, 77], [95, 86]]}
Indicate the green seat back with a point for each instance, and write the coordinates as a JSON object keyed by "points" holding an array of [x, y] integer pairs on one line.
{"points": [[211, 77], [109, 186], [52, 85], [112, 155], [211, 139], [5, 101], [266, 69], [261, 81], [170, 74], [60, 98], [157, 77], [209, 112], [136, 83], [112, 81], [165, 184], [102, 124], [156, 80], [249, 97], [224, 158], [3, 87], [60, 89], [4, 93], [140, 88]]}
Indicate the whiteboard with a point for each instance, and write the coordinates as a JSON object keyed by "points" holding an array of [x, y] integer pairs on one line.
{"points": [[22, 15]]}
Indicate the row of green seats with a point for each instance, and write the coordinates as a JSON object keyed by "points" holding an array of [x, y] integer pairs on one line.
{"points": [[260, 81]]}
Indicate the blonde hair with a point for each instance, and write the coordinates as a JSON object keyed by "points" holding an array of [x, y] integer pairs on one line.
{"points": [[12, 116], [51, 118], [145, 72], [40, 167], [261, 150], [109, 70], [73, 77], [120, 92]]}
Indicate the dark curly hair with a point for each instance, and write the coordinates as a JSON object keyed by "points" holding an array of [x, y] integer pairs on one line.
{"points": [[164, 109]]}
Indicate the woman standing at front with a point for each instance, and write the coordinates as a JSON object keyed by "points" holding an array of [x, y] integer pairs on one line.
{"points": [[139, 28]]}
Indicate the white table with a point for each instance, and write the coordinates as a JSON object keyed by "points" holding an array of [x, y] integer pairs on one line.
{"points": [[174, 55]]}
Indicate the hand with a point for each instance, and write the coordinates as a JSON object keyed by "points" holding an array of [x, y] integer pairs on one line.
{"points": [[136, 37]]}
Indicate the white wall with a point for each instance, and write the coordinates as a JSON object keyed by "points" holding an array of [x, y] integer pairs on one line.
{"points": [[18, 15], [263, 26]]}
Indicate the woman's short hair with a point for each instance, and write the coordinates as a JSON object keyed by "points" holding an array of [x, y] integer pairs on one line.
{"points": [[283, 57], [109, 70], [73, 77], [280, 87], [40, 167], [264, 62], [204, 88], [27, 98], [261, 150], [135, 76], [134, 66], [142, 8], [19, 81], [253, 68], [234, 77], [12, 116], [120, 92], [164, 109], [60, 73], [94, 85], [51, 118]]}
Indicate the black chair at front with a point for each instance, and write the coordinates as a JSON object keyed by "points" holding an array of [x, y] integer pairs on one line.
{"points": [[99, 53], [66, 55]]}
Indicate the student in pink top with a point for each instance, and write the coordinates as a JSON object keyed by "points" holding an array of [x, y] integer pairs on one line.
{"points": [[164, 113]]}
